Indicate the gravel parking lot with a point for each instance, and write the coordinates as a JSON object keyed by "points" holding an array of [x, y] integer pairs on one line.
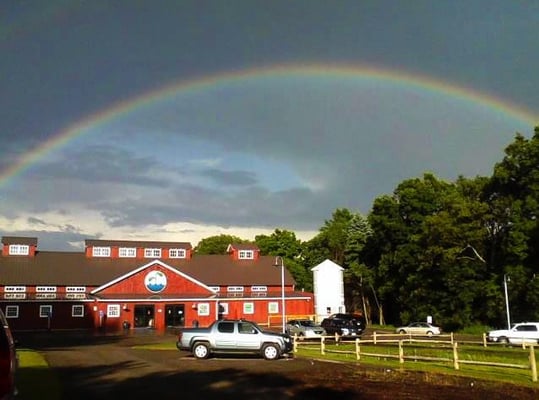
{"points": [[108, 367]]}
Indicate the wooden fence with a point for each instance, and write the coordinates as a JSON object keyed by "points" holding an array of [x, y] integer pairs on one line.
{"points": [[441, 342]]}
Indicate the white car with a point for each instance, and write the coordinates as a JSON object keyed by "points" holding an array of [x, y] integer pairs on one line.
{"points": [[304, 328], [522, 332], [419, 328]]}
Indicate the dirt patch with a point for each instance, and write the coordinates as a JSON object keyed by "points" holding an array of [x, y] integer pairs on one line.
{"points": [[108, 367]]}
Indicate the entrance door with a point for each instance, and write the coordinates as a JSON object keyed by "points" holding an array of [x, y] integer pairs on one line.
{"points": [[144, 316], [175, 315]]}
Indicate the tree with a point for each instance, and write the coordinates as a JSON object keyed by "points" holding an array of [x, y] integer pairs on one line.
{"points": [[217, 244]]}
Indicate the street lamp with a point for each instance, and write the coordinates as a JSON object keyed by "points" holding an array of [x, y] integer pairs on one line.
{"points": [[505, 280], [279, 262]]}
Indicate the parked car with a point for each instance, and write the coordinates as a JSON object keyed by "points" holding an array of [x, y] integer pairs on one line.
{"points": [[304, 328], [8, 361], [344, 324], [234, 336], [519, 333], [420, 329]]}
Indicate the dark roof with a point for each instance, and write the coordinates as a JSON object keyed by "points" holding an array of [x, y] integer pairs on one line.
{"points": [[75, 269], [243, 246], [19, 240], [136, 243]]}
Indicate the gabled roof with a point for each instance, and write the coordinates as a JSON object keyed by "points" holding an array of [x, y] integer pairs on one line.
{"points": [[75, 269], [31, 241], [241, 246], [327, 264], [137, 243]]}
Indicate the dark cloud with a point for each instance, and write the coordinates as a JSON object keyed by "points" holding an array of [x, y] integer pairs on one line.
{"points": [[235, 178]]}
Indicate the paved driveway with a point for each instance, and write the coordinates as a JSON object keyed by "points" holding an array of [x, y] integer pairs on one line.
{"points": [[109, 367]]}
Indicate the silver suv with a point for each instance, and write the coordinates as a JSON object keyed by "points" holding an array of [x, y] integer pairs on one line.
{"points": [[527, 332]]}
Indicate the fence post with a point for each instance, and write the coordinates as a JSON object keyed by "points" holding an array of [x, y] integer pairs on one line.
{"points": [[374, 337], [358, 350], [295, 342], [533, 364], [336, 338], [484, 339], [401, 353], [452, 338], [455, 356], [323, 345]]}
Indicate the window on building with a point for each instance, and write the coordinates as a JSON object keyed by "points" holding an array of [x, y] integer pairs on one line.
{"points": [[234, 289], [176, 253], [246, 254], [76, 289], [248, 308], [152, 253], [113, 310], [259, 288], [12, 311], [15, 289], [223, 308], [19, 249], [273, 307], [45, 311], [77, 311], [127, 252], [203, 309], [101, 251], [215, 288], [46, 289]]}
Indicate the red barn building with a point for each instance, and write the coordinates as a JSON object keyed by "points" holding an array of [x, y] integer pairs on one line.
{"points": [[117, 284]]}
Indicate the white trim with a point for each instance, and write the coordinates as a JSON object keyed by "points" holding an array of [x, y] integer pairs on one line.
{"points": [[127, 252], [153, 252], [113, 311], [46, 289], [259, 288], [246, 254], [177, 253], [75, 289], [14, 289], [145, 266], [235, 289], [43, 313], [249, 308]]}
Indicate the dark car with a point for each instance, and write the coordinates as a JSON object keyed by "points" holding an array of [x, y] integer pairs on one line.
{"points": [[344, 324], [8, 361]]}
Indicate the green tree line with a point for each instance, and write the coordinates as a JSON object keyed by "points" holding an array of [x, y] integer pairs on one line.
{"points": [[432, 247]]}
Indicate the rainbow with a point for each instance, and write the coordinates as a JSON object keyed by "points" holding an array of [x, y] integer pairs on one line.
{"points": [[199, 84]]}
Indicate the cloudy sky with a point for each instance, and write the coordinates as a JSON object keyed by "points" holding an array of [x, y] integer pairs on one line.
{"points": [[179, 120]]}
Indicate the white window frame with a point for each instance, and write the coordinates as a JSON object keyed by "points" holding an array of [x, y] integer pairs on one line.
{"points": [[249, 308], [113, 311], [177, 253], [46, 289], [234, 289], [19, 249], [152, 253], [45, 311], [246, 254], [215, 288], [75, 289], [259, 288], [77, 311], [203, 309], [100, 251], [273, 307], [127, 252], [14, 289], [12, 312]]}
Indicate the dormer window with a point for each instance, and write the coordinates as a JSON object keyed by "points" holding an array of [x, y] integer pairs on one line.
{"points": [[246, 254], [152, 253], [19, 250], [127, 252], [176, 253], [101, 251]]}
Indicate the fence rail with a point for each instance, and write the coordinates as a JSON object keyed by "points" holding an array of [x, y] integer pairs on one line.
{"points": [[448, 344]]}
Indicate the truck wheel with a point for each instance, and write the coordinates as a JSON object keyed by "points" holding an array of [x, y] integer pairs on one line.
{"points": [[201, 350], [270, 352]]}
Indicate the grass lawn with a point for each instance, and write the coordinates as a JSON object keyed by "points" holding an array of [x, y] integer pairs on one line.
{"points": [[35, 380]]}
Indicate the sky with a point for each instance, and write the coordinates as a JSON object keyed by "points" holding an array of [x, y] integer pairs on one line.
{"points": [[181, 120]]}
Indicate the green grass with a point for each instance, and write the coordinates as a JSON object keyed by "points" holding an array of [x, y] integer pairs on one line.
{"points": [[35, 380], [157, 346], [507, 355]]}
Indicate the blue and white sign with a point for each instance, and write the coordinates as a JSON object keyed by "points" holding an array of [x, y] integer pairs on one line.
{"points": [[155, 281]]}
